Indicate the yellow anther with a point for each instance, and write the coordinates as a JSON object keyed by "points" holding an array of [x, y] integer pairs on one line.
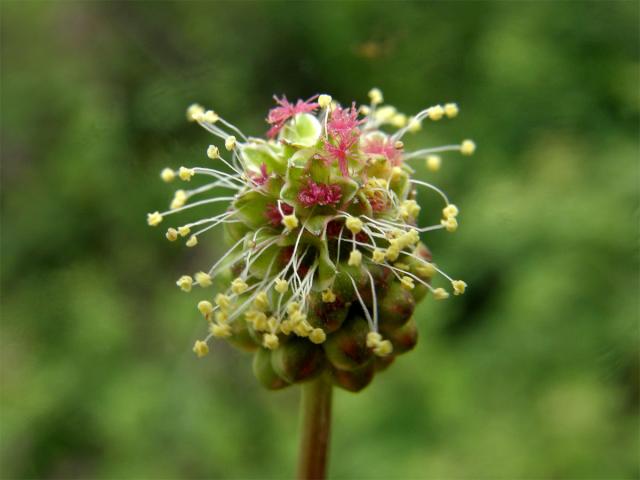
{"points": [[205, 307], [373, 339], [192, 242], [401, 266], [167, 175], [426, 270], [440, 294], [324, 100], [270, 341], [383, 349], [384, 114], [239, 286], [203, 279], [436, 112], [184, 231], [154, 218], [172, 234], [185, 282], [364, 110], [272, 324], [194, 112], [186, 173], [378, 255], [282, 286], [220, 331], [302, 328], [398, 145], [412, 235], [290, 221], [433, 162], [407, 282], [450, 211], [260, 322], [222, 300], [414, 125], [213, 152], [458, 287], [317, 336], [222, 317], [354, 224], [399, 120], [451, 224], [467, 147], [293, 307], [179, 199], [376, 96], [328, 296], [230, 143], [286, 327], [451, 110], [393, 252], [261, 302], [210, 116], [200, 348], [355, 258]]}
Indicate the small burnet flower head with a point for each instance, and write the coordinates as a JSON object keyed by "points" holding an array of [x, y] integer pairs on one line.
{"points": [[325, 262]]}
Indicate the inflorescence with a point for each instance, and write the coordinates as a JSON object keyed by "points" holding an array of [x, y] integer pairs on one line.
{"points": [[325, 264]]}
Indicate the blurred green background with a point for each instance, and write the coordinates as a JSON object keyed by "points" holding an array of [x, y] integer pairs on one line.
{"points": [[533, 374]]}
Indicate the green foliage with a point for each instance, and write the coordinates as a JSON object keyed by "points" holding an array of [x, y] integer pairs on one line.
{"points": [[533, 373]]}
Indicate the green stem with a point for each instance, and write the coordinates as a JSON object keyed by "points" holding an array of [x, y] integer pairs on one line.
{"points": [[315, 428]]}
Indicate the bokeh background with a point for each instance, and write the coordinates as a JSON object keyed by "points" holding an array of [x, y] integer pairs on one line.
{"points": [[533, 374]]}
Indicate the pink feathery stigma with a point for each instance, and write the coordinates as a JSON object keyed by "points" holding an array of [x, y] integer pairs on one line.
{"points": [[319, 194], [273, 213], [261, 178], [278, 116], [384, 147], [343, 121], [339, 152]]}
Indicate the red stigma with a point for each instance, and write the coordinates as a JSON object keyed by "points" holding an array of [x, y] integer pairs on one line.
{"points": [[319, 194]]}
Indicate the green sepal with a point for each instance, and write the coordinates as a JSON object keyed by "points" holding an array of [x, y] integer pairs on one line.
{"points": [[297, 359], [256, 153], [265, 373], [251, 207], [326, 269], [302, 131], [348, 187], [316, 223]]}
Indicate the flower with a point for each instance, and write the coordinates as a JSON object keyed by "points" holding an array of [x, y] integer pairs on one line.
{"points": [[278, 116], [325, 264], [319, 194]]}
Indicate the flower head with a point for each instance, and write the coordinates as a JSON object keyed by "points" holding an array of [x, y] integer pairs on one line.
{"points": [[325, 263]]}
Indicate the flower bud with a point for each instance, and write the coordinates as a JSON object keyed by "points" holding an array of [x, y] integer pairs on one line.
{"points": [[346, 348], [354, 380], [397, 306], [264, 372], [297, 359]]}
